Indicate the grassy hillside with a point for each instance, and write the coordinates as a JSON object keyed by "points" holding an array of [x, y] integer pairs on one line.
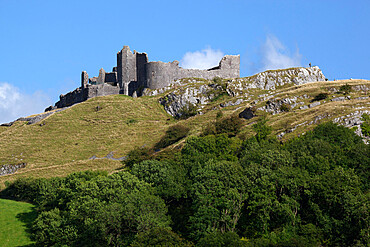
{"points": [[14, 217], [64, 142]]}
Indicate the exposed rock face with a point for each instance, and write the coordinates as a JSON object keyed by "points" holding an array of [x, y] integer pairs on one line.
{"points": [[35, 119], [176, 101], [269, 80], [109, 156], [354, 120], [10, 169], [276, 106], [231, 103], [201, 94]]}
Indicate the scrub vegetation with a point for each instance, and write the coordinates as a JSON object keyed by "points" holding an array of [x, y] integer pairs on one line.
{"points": [[219, 189], [213, 179]]}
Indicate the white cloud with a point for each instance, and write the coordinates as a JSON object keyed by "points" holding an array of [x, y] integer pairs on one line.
{"points": [[204, 59], [276, 56], [15, 104]]}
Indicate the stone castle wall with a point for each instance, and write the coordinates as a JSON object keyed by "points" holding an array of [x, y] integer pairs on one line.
{"points": [[134, 73], [161, 74], [83, 94]]}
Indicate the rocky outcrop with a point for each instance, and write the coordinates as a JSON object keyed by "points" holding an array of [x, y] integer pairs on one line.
{"points": [[35, 119], [10, 169], [109, 156], [354, 120], [271, 79], [176, 101], [198, 93]]}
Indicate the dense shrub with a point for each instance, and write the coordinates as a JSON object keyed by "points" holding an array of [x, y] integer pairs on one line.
{"points": [[216, 147], [187, 111], [101, 211], [168, 179], [219, 114], [219, 191], [345, 89], [320, 96], [365, 126], [173, 135], [160, 237], [137, 155], [230, 125], [219, 88], [284, 108], [262, 129], [218, 239]]}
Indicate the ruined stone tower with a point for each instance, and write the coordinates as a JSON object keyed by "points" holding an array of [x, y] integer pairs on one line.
{"points": [[134, 73]]}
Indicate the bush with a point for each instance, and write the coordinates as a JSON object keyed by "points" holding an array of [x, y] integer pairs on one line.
{"points": [[137, 155], [168, 179], [217, 147], [345, 89], [187, 111], [219, 88], [320, 96], [284, 108], [173, 134], [219, 114], [229, 125], [218, 239], [365, 126], [159, 237], [262, 129]]}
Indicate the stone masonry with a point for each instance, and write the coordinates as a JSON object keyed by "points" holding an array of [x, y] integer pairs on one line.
{"points": [[134, 73]]}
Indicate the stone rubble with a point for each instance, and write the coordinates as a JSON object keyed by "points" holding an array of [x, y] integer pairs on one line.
{"points": [[35, 119], [10, 169]]}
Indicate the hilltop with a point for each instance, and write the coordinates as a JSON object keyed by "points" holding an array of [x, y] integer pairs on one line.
{"points": [[109, 127]]}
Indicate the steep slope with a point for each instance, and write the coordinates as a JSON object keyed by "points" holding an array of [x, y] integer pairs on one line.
{"points": [[65, 141]]}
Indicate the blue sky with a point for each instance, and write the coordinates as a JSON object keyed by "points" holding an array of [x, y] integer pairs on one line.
{"points": [[44, 45]]}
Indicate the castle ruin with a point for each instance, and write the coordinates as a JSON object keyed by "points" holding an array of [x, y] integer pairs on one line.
{"points": [[134, 73]]}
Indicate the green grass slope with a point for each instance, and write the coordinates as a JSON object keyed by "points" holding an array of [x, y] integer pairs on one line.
{"points": [[15, 218], [64, 142]]}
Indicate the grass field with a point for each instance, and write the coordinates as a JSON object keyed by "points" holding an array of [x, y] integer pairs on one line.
{"points": [[15, 218], [64, 142]]}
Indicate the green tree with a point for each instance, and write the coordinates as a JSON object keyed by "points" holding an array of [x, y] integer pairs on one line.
{"points": [[159, 237], [169, 179], [218, 239], [262, 129], [102, 211], [218, 196]]}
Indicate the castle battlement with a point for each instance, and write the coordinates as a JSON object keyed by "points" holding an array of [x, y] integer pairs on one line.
{"points": [[134, 73]]}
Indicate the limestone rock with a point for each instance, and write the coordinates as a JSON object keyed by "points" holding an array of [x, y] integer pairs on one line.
{"points": [[10, 169], [269, 80], [275, 106], [314, 104], [231, 103], [354, 120], [338, 99], [177, 100]]}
